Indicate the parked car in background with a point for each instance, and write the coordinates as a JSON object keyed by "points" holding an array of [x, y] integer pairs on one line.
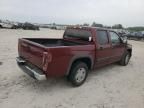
{"points": [[1, 26], [14, 26], [135, 35], [17, 26], [29, 26], [139, 35], [6, 25]]}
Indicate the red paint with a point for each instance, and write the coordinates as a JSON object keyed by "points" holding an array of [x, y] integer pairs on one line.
{"points": [[56, 61]]}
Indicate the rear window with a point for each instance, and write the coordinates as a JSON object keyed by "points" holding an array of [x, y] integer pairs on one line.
{"points": [[77, 33], [102, 37]]}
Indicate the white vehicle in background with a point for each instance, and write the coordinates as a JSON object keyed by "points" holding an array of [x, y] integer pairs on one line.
{"points": [[8, 24], [4, 25]]}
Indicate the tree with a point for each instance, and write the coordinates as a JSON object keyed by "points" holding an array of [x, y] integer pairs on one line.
{"points": [[117, 26], [96, 25]]}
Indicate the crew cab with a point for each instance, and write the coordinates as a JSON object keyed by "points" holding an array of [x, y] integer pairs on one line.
{"points": [[81, 49]]}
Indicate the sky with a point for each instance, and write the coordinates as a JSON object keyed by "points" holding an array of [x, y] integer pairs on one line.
{"points": [[107, 12]]}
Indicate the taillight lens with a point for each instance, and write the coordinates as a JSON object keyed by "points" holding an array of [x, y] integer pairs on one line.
{"points": [[47, 58]]}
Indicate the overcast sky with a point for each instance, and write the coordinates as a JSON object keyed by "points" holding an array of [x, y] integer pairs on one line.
{"points": [[107, 12]]}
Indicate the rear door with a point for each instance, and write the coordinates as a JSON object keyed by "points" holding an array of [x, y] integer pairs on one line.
{"points": [[117, 46], [103, 52]]}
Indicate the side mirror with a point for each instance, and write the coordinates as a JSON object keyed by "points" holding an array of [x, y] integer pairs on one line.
{"points": [[124, 39]]}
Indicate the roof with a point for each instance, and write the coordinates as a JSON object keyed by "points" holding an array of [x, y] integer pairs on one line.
{"points": [[87, 27]]}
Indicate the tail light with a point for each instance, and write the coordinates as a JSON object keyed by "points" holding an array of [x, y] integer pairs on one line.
{"points": [[19, 46], [47, 58]]}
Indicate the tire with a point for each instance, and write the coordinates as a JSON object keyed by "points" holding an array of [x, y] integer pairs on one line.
{"points": [[125, 59], [78, 74]]}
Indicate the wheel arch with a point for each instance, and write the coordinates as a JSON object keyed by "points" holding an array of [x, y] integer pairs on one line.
{"points": [[86, 59]]}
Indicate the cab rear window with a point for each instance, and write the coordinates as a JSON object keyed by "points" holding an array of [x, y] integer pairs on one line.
{"points": [[77, 33]]}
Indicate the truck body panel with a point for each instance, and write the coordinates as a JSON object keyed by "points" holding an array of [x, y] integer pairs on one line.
{"points": [[55, 57]]}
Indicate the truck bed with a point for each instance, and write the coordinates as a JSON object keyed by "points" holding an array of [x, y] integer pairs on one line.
{"points": [[54, 42], [45, 54]]}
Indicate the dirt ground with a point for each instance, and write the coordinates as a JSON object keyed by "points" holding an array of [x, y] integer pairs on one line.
{"points": [[113, 86]]}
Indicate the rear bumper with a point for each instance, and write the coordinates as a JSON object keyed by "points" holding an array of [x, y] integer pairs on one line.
{"points": [[30, 69]]}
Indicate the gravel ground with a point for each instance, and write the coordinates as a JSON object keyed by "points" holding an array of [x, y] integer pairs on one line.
{"points": [[112, 86]]}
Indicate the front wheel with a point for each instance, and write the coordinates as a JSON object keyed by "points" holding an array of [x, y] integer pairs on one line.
{"points": [[125, 59], [78, 73]]}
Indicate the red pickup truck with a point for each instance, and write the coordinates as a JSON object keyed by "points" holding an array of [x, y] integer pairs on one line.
{"points": [[80, 50]]}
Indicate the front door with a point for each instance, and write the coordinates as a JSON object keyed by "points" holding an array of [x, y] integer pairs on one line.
{"points": [[117, 46]]}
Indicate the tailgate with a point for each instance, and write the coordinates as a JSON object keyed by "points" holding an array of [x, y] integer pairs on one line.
{"points": [[31, 52]]}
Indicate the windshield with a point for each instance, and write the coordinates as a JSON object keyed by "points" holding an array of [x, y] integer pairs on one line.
{"points": [[77, 33]]}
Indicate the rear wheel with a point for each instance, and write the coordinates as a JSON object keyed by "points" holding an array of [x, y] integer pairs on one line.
{"points": [[125, 59], [78, 73]]}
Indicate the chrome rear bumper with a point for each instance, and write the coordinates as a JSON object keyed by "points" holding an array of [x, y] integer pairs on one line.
{"points": [[30, 69]]}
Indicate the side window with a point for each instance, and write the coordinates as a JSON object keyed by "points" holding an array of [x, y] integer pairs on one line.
{"points": [[102, 37], [114, 38]]}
